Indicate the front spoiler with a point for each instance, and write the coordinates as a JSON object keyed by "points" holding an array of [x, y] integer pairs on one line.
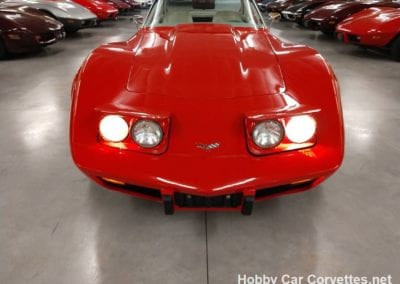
{"points": [[176, 200]]}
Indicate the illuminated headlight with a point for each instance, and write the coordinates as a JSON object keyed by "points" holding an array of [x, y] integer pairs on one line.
{"points": [[268, 134], [301, 128], [147, 133], [113, 128]]}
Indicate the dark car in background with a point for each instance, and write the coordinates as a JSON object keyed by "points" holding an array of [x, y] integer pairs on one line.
{"points": [[296, 12], [23, 29], [279, 5]]}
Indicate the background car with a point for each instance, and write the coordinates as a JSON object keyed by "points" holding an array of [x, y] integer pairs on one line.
{"points": [[297, 11], [374, 27], [73, 16], [23, 29], [327, 16], [103, 10], [262, 3], [210, 116], [280, 5], [120, 5]]}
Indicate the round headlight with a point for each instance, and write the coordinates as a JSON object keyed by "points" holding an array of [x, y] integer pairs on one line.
{"points": [[113, 128], [147, 133], [268, 134], [301, 128]]}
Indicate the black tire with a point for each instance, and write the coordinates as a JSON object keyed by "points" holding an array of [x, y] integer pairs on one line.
{"points": [[327, 32], [3, 50], [72, 31], [395, 49]]}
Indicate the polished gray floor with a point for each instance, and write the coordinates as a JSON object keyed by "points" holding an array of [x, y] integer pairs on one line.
{"points": [[57, 227]]}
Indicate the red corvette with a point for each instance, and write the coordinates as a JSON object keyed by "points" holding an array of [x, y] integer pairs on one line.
{"points": [[103, 10], [204, 109], [374, 27]]}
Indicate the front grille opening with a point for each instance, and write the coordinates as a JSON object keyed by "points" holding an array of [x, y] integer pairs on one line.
{"points": [[155, 193], [282, 188], [195, 201]]}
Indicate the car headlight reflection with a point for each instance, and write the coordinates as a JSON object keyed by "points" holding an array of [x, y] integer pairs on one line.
{"points": [[113, 128], [300, 129], [147, 133], [268, 134]]}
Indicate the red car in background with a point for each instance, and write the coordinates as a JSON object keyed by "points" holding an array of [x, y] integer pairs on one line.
{"points": [[204, 109], [103, 10], [374, 27], [119, 4], [326, 17]]}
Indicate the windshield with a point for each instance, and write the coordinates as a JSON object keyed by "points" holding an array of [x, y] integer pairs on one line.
{"points": [[238, 13]]}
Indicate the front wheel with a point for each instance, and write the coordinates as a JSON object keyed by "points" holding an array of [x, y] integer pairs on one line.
{"points": [[327, 32], [395, 49]]}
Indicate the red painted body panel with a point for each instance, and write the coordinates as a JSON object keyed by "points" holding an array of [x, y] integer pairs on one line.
{"points": [[327, 16], [103, 10], [206, 79], [375, 27], [119, 4]]}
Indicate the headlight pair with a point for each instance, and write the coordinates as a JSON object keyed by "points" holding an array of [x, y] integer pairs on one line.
{"points": [[146, 133], [270, 133]]}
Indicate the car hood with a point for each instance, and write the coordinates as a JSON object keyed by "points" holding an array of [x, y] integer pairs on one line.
{"points": [[331, 8], [304, 5], [337, 7], [204, 61], [372, 19], [24, 18]]}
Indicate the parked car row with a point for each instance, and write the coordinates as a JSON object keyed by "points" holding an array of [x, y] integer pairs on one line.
{"points": [[27, 25], [369, 23]]}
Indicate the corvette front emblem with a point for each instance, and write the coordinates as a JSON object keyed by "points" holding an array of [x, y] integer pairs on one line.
{"points": [[207, 147]]}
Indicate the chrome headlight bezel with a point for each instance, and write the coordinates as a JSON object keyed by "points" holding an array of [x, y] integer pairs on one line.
{"points": [[268, 134], [147, 133]]}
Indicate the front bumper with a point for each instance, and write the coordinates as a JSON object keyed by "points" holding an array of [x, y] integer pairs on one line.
{"points": [[291, 16], [31, 42], [379, 40], [321, 25], [77, 24], [107, 15], [205, 182]]}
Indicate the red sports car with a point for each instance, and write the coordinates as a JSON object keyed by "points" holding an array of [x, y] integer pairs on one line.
{"points": [[204, 109], [374, 27], [103, 10], [326, 17]]}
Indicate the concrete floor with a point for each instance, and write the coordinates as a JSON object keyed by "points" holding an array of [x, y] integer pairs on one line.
{"points": [[57, 227]]}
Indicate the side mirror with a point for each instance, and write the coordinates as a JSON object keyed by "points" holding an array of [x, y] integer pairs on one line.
{"points": [[272, 17], [138, 19]]}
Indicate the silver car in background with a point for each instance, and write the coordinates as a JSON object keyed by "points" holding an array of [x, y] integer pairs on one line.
{"points": [[71, 14]]}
